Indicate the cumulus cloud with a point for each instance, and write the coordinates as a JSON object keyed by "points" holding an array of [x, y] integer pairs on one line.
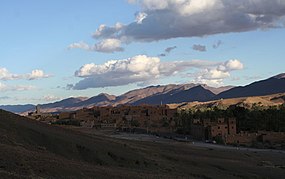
{"points": [[6, 75], [34, 75], [167, 51], [106, 32], [215, 76], [37, 74], [105, 46], [166, 19], [231, 65], [118, 72], [200, 48], [142, 69], [108, 46]]}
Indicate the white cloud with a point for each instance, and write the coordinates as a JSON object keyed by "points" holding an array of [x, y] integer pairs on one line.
{"points": [[35, 74], [215, 76], [105, 46], [108, 32], [6, 75], [142, 69], [108, 46], [50, 98], [166, 19], [140, 17], [233, 65], [118, 72], [81, 45]]}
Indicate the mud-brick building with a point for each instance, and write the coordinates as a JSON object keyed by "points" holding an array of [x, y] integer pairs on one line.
{"points": [[271, 137], [263, 137], [143, 116], [212, 129], [243, 138]]}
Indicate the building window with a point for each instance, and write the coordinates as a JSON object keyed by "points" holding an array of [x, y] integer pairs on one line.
{"points": [[219, 127], [226, 127], [232, 127]]}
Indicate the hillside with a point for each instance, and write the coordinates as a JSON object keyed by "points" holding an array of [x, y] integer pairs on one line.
{"points": [[269, 86], [18, 108], [64, 103], [29, 149], [101, 100], [248, 102], [197, 93], [139, 94]]}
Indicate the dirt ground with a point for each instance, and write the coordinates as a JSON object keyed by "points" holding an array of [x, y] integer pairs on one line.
{"points": [[29, 149]]}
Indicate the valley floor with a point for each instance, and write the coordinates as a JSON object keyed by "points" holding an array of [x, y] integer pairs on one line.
{"points": [[29, 149]]}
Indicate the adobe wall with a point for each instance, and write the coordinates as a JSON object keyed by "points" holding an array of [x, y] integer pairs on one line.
{"points": [[243, 139]]}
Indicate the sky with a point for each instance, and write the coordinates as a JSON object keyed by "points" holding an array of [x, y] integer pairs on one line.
{"points": [[51, 50]]}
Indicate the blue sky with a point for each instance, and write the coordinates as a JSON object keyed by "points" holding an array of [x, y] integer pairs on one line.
{"points": [[52, 50]]}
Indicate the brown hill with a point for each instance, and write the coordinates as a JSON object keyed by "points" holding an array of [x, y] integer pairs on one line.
{"points": [[29, 149], [248, 102], [268, 86], [197, 93], [139, 94]]}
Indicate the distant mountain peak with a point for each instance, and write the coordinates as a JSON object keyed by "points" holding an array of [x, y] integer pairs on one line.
{"points": [[105, 94], [280, 76]]}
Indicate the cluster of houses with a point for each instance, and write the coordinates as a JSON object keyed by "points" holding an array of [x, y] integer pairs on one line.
{"points": [[225, 131], [143, 116], [158, 119], [123, 117]]}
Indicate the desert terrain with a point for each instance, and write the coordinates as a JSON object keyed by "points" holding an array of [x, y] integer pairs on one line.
{"points": [[30, 149]]}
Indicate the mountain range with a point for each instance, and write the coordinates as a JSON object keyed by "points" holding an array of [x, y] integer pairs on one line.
{"points": [[162, 94]]}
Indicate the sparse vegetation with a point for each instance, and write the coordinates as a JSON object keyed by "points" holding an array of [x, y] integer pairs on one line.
{"points": [[135, 123], [67, 122], [257, 118]]}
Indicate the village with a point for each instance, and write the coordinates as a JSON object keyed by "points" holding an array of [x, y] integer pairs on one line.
{"points": [[160, 120]]}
